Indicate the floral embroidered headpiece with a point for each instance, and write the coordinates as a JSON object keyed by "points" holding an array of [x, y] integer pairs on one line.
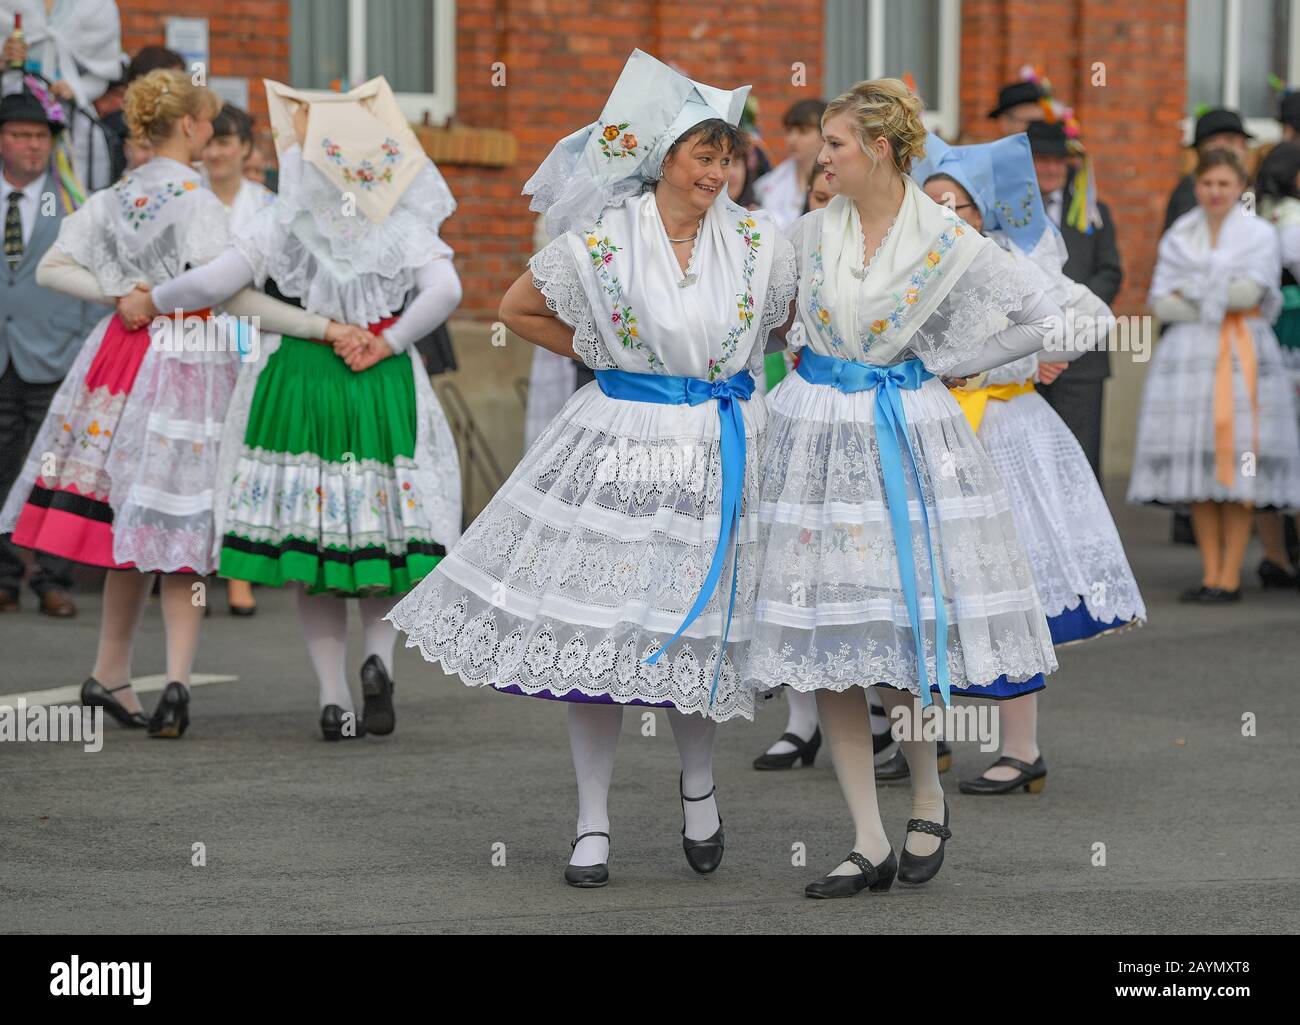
{"points": [[1001, 180], [359, 140], [651, 106]]}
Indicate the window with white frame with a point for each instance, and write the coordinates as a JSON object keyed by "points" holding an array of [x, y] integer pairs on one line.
{"points": [[888, 38], [1233, 46], [412, 43]]}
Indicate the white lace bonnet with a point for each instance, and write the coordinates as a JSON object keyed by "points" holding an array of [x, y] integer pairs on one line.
{"points": [[359, 140], [603, 163]]}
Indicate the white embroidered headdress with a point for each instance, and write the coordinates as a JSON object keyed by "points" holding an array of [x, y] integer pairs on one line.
{"points": [[597, 166], [359, 140]]}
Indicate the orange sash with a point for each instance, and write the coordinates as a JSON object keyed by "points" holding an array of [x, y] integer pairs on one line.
{"points": [[1233, 335]]}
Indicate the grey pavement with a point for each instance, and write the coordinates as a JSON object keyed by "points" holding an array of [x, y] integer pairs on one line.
{"points": [[1141, 732]]}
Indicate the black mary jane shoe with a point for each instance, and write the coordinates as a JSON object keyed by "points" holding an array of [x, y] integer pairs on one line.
{"points": [[915, 869], [377, 689], [172, 716], [586, 877], [803, 749], [702, 855], [95, 695], [1272, 575], [876, 878], [894, 768], [1210, 595], [332, 721], [1031, 777]]}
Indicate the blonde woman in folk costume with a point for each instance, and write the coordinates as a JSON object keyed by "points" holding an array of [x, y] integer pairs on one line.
{"points": [[1083, 577], [890, 554], [626, 533], [133, 429], [339, 475]]}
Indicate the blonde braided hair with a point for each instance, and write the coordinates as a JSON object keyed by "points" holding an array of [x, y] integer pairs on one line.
{"points": [[884, 108]]}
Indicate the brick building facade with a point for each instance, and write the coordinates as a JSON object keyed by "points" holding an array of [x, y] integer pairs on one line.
{"points": [[560, 57]]}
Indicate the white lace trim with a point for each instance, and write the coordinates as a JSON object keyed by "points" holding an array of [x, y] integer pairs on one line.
{"points": [[191, 230], [992, 288], [556, 277], [339, 264], [1062, 518]]}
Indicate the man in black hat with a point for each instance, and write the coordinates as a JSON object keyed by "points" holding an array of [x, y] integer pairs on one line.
{"points": [[1093, 261], [40, 331], [1215, 129], [1288, 115], [1018, 105]]}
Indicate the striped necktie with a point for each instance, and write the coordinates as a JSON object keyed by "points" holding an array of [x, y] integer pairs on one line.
{"points": [[14, 230]]}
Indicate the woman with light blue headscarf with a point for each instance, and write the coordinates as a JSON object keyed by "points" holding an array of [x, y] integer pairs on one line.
{"points": [[1079, 567]]}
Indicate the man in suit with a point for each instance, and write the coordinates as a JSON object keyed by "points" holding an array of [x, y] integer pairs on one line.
{"points": [[1093, 261], [40, 331]]}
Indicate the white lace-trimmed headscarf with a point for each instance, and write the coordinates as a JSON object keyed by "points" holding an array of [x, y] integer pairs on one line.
{"points": [[359, 140], [597, 166]]}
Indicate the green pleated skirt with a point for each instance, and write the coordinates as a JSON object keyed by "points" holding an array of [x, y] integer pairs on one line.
{"points": [[325, 491]]}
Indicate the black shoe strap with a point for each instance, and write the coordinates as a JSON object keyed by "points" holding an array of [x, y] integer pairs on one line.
{"points": [[926, 826], [585, 835], [1015, 763], [864, 866]]}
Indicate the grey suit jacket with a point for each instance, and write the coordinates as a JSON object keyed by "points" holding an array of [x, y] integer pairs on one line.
{"points": [[1093, 261], [41, 331]]}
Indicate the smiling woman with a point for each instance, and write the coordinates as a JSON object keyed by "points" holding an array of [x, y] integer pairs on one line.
{"points": [[573, 581]]}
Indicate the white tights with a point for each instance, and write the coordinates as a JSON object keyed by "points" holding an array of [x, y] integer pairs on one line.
{"points": [[324, 620], [847, 728], [593, 737], [126, 592]]}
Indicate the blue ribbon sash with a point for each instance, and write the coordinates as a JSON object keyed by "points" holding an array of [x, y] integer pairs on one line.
{"points": [[891, 424], [666, 390]]}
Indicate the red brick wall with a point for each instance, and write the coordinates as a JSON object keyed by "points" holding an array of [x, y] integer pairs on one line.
{"points": [[1130, 124], [562, 56], [246, 38]]}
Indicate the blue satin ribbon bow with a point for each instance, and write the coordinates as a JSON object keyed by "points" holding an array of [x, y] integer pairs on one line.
{"points": [[660, 388], [891, 423]]}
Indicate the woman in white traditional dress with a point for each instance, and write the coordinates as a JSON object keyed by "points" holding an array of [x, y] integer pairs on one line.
{"points": [[1083, 578], [121, 474], [890, 551], [77, 46], [339, 475], [624, 533], [1217, 423], [224, 159]]}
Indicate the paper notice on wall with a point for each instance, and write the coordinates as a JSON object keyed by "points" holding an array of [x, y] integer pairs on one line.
{"points": [[189, 38]]}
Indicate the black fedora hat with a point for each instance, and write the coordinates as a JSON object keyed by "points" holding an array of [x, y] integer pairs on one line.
{"points": [[1289, 110], [1048, 139], [24, 106], [1217, 121], [1015, 94]]}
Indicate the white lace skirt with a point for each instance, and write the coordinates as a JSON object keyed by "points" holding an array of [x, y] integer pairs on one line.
{"points": [[830, 612], [1062, 518], [588, 559], [1174, 460]]}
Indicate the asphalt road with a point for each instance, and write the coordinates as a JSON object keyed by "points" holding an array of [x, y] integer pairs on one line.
{"points": [[1142, 734]]}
